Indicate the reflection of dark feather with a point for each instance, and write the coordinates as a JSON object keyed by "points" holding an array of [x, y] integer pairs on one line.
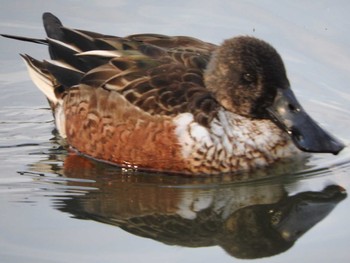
{"points": [[248, 220], [175, 230], [252, 231]]}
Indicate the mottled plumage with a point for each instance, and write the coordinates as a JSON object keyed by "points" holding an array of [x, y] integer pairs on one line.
{"points": [[174, 104]]}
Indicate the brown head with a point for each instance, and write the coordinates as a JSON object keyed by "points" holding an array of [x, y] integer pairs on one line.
{"points": [[247, 76]]}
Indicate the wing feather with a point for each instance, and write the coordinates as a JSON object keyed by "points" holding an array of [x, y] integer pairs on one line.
{"points": [[157, 73]]}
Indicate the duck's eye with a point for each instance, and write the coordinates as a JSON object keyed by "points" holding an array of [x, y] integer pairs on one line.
{"points": [[248, 77]]}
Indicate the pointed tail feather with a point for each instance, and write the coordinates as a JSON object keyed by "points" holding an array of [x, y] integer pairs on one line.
{"points": [[27, 39]]}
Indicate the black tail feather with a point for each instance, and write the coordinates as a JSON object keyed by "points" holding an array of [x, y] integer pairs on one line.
{"points": [[65, 76], [53, 26], [27, 39], [80, 39]]}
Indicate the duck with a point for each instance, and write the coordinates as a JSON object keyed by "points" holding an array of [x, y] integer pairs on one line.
{"points": [[173, 104]]}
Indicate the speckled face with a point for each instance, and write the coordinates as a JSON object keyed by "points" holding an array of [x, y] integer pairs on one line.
{"points": [[250, 71]]}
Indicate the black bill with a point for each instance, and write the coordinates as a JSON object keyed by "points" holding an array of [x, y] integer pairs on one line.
{"points": [[306, 134]]}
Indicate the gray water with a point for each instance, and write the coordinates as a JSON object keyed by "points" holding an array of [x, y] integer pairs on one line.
{"points": [[60, 207]]}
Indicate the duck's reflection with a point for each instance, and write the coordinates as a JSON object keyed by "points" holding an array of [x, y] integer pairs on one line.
{"points": [[247, 220]]}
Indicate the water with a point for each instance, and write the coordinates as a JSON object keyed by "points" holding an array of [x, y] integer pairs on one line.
{"points": [[60, 207]]}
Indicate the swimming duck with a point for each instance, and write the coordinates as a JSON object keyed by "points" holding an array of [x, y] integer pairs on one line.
{"points": [[173, 103]]}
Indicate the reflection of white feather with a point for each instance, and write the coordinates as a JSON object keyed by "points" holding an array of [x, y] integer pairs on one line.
{"points": [[225, 201], [190, 204]]}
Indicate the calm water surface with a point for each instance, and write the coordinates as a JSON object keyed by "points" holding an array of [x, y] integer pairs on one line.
{"points": [[60, 207]]}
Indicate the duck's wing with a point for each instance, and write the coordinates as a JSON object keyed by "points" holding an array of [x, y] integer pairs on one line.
{"points": [[160, 74]]}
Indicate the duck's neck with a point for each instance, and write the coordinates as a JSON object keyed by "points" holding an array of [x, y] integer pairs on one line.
{"points": [[216, 79]]}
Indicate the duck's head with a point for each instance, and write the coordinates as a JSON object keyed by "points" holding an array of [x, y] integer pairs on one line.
{"points": [[247, 76]]}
